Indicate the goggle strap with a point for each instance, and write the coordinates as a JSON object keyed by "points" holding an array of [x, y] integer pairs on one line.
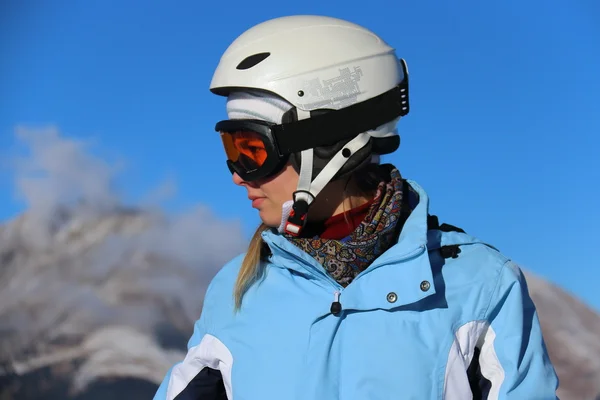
{"points": [[336, 125]]}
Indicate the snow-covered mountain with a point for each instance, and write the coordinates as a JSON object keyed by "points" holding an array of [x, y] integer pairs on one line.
{"points": [[104, 296]]}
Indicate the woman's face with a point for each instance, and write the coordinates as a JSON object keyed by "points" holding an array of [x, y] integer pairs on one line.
{"points": [[268, 195]]}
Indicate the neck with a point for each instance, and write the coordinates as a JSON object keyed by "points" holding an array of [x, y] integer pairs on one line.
{"points": [[336, 198]]}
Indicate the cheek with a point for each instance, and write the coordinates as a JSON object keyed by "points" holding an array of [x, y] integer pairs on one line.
{"points": [[282, 187], [277, 191]]}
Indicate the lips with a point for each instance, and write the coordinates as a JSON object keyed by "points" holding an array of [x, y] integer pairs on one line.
{"points": [[256, 200]]}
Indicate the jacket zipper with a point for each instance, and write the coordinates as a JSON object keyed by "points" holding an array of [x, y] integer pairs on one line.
{"points": [[336, 306]]}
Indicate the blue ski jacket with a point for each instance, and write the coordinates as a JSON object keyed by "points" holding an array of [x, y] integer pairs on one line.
{"points": [[440, 315]]}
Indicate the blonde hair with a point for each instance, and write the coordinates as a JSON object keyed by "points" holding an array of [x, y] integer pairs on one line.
{"points": [[251, 269]]}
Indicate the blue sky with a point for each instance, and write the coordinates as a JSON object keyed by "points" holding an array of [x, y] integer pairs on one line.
{"points": [[503, 129]]}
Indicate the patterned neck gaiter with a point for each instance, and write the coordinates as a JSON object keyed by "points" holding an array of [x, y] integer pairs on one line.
{"points": [[344, 259]]}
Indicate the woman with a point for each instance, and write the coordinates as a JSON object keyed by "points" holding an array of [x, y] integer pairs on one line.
{"points": [[349, 288]]}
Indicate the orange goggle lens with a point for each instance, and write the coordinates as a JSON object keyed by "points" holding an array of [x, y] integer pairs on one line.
{"points": [[246, 148]]}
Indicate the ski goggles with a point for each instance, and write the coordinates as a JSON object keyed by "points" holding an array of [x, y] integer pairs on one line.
{"points": [[251, 147]]}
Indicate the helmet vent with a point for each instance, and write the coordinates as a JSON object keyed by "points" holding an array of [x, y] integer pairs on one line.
{"points": [[252, 60]]}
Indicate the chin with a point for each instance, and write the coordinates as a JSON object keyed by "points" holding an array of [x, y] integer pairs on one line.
{"points": [[270, 219]]}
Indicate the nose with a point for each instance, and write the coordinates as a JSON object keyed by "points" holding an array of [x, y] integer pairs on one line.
{"points": [[237, 179], [240, 182]]}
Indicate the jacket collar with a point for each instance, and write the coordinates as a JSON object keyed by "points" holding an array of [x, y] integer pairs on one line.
{"points": [[402, 274]]}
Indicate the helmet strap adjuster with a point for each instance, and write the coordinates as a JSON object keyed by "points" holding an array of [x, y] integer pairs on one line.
{"points": [[296, 221]]}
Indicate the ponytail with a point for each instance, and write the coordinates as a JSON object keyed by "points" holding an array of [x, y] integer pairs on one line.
{"points": [[251, 269]]}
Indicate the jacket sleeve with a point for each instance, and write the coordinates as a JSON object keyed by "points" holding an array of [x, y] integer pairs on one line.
{"points": [[198, 376], [513, 362]]}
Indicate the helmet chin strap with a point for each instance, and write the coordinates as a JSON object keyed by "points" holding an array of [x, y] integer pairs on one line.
{"points": [[294, 212], [302, 192]]}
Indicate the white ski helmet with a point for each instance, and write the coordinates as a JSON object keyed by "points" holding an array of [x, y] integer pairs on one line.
{"points": [[344, 83]]}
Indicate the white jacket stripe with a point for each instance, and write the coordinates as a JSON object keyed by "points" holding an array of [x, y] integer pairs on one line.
{"points": [[211, 353]]}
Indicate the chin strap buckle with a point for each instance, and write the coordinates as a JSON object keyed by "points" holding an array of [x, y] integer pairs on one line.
{"points": [[298, 216], [297, 219]]}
